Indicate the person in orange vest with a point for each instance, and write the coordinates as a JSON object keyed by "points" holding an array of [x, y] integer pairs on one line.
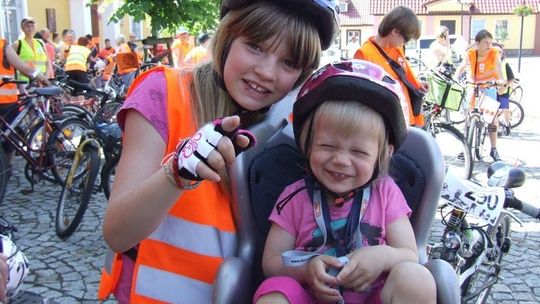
{"points": [[180, 47], [386, 49], [107, 50], [169, 217], [484, 62], [200, 53], [9, 62], [68, 37], [127, 62]]}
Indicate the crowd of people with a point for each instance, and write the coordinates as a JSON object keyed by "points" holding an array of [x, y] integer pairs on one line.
{"points": [[169, 218]]}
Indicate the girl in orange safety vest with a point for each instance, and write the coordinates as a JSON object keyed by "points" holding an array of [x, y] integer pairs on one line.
{"points": [[169, 216]]}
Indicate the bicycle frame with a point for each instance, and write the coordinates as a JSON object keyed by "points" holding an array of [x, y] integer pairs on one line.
{"points": [[20, 144], [78, 156]]}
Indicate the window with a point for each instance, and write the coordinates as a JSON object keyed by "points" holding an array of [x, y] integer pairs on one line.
{"points": [[476, 26], [353, 33], [501, 30], [136, 28], [343, 7], [450, 24]]}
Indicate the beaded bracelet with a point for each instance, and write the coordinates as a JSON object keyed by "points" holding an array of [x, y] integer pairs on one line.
{"points": [[172, 175]]}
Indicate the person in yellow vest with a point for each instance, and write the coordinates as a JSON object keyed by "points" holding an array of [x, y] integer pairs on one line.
{"points": [[169, 215], [9, 61], [180, 47], [31, 50], [76, 64], [386, 49], [200, 53], [484, 62]]}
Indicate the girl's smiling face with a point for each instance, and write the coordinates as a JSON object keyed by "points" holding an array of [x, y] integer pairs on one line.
{"points": [[343, 162], [257, 75]]}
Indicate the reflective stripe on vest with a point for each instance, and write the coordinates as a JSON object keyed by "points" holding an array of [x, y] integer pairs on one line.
{"points": [[35, 58], [171, 288], [77, 57], [8, 92], [192, 234]]}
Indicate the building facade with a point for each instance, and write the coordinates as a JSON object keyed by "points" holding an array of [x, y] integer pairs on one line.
{"points": [[463, 17], [68, 14]]}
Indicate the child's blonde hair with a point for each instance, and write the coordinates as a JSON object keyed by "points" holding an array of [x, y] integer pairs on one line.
{"points": [[348, 118], [257, 22]]}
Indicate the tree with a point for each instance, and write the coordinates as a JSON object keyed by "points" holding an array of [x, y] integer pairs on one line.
{"points": [[522, 11], [169, 15]]}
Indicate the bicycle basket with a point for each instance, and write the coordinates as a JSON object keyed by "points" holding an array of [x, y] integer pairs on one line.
{"points": [[444, 93]]}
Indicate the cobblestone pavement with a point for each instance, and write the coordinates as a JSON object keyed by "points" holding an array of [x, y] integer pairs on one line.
{"points": [[68, 271]]}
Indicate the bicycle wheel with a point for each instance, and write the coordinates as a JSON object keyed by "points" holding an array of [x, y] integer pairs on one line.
{"points": [[63, 143], [517, 113], [5, 171], [475, 135], [516, 94], [454, 148], [477, 287], [35, 143], [107, 175], [77, 191]]}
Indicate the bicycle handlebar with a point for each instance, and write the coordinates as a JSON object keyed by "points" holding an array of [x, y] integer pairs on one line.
{"points": [[6, 80], [513, 202]]}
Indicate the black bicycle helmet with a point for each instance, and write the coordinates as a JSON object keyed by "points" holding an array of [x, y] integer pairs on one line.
{"points": [[356, 80], [325, 13]]}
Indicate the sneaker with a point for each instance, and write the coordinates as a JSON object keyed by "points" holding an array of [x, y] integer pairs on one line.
{"points": [[494, 155], [507, 130]]}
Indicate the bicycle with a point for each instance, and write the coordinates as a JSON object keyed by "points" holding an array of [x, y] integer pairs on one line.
{"points": [[444, 96], [477, 228], [47, 145], [77, 188], [80, 182], [484, 111]]}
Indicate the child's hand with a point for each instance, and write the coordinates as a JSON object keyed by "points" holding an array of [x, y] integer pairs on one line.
{"points": [[211, 148], [364, 266], [323, 284]]}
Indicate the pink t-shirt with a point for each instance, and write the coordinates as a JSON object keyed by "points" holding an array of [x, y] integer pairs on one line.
{"points": [[149, 99], [386, 205]]}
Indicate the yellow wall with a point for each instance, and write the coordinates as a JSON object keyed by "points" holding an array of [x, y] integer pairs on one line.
{"points": [[431, 23], [514, 28], [36, 9]]}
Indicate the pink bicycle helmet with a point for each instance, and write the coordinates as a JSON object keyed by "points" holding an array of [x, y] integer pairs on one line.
{"points": [[325, 13], [356, 80]]}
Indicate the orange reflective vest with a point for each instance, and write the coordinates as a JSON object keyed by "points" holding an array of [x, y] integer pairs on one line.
{"points": [[370, 53], [179, 261], [8, 92], [485, 69], [127, 60]]}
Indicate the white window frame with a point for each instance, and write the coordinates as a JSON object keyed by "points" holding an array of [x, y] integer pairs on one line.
{"points": [[476, 26]]}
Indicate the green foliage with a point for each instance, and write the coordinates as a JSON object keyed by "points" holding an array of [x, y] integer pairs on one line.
{"points": [[523, 10], [166, 16]]}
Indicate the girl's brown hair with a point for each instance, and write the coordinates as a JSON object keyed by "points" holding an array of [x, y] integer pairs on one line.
{"points": [[257, 22]]}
